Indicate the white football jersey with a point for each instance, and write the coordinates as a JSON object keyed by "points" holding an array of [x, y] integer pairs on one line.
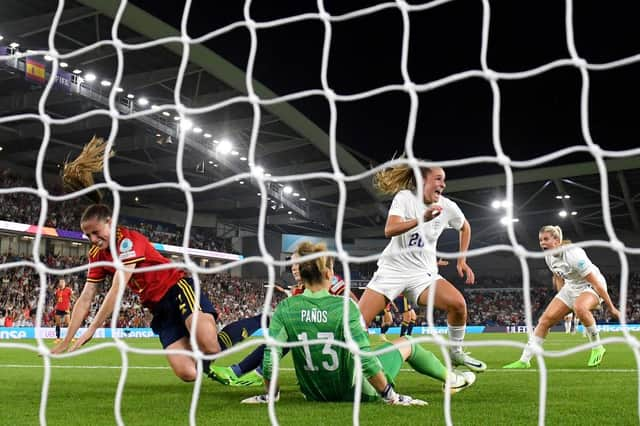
{"points": [[572, 265], [407, 206]]}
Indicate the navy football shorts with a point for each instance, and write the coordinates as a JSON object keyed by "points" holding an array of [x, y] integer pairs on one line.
{"points": [[171, 312]]}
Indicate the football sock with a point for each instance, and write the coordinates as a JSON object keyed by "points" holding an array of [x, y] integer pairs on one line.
{"points": [[456, 336], [425, 362], [253, 361], [57, 331], [384, 329], [527, 353], [593, 334], [250, 362], [410, 328], [238, 331], [403, 328]]}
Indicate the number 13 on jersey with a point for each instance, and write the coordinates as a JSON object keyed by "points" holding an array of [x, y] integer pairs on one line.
{"points": [[327, 350]]}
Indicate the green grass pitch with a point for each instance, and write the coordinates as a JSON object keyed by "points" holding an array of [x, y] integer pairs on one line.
{"points": [[83, 388]]}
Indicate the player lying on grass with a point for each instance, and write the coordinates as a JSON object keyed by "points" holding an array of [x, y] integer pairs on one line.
{"points": [[326, 372], [166, 292], [248, 372], [581, 289]]}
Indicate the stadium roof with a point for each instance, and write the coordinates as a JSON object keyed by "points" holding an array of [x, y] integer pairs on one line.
{"points": [[540, 115]]}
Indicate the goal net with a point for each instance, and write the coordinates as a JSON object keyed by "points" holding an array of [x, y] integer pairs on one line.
{"points": [[260, 99]]}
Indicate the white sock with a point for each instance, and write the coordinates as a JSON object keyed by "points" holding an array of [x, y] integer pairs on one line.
{"points": [[456, 335], [567, 326], [527, 353], [593, 334]]}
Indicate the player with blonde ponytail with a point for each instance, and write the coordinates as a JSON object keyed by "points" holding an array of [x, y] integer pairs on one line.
{"points": [[409, 264], [581, 288]]}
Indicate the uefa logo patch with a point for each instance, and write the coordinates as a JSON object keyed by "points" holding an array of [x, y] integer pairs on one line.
{"points": [[126, 245]]}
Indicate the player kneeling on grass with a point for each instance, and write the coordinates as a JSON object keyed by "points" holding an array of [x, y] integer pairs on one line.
{"points": [[326, 372], [581, 288]]}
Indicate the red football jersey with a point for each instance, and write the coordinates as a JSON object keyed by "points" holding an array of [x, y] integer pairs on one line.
{"points": [[63, 299], [336, 289], [133, 248]]}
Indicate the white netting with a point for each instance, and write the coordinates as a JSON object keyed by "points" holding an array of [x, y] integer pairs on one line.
{"points": [[408, 87]]}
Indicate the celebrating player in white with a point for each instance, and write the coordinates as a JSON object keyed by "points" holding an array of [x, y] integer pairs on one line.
{"points": [[582, 288], [412, 272]]}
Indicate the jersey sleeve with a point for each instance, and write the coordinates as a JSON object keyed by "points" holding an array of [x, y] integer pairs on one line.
{"points": [[277, 331], [399, 205], [547, 261], [457, 217], [96, 274], [370, 364], [578, 260], [337, 289], [132, 248]]}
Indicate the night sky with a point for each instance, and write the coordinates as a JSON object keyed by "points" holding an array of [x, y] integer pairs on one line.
{"points": [[539, 114]]}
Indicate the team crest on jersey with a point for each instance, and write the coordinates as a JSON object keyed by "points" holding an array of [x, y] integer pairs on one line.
{"points": [[126, 245], [582, 264]]}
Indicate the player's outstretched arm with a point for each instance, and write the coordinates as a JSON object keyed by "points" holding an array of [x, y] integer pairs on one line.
{"points": [[79, 313], [105, 310], [462, 267]]}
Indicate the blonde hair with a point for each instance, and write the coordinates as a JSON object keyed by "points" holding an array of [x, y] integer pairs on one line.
{"points": [[78, 174], [312, 271], [395, 179], [556, 232]]}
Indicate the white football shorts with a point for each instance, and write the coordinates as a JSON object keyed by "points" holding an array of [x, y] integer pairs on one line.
{"points": [[569, 293], [393, 285]]}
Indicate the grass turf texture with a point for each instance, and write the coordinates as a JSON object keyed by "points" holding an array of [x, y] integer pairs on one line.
{"points": [[82, 391]]}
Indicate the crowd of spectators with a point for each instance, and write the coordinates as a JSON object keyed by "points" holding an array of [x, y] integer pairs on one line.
{"points": [[504, 306], [24, 207], [234, 298], [164, 233], [493, 301]]}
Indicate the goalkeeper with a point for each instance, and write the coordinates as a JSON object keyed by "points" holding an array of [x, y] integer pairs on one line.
{"points": [[326, 372]]}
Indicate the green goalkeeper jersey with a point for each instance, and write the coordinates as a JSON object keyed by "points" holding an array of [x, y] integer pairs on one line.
{"points": [[325, 372]]}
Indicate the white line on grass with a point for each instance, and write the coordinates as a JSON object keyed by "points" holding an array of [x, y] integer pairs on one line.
{"points": [[492, 370]]}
